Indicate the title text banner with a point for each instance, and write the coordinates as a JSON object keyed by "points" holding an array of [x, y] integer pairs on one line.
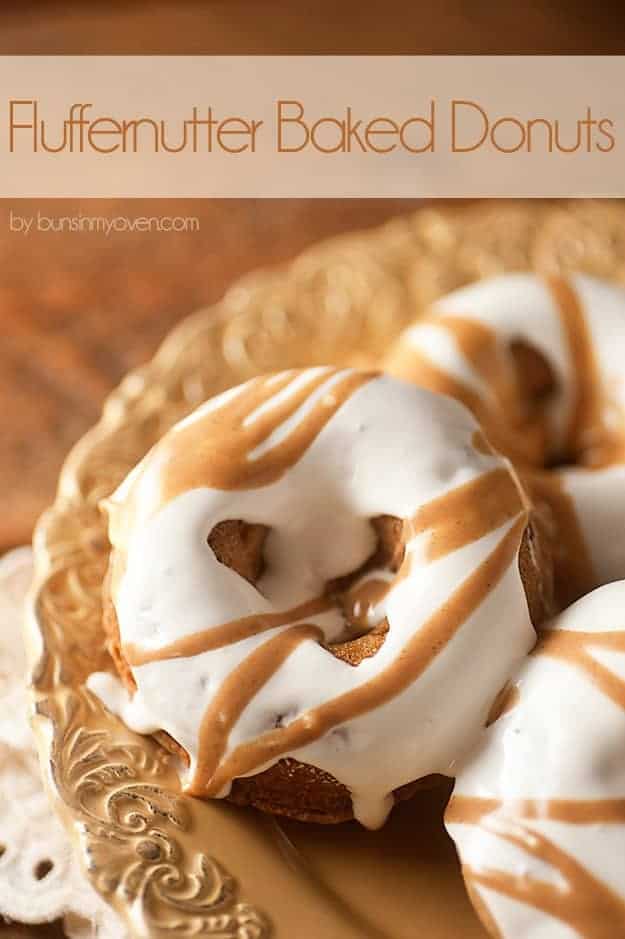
{"points": [[309, 126]]}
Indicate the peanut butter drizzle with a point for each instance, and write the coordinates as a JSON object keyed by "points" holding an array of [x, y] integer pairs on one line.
{"points": [[417, 655], [586, 904], [589, 442], [481, 347], [488, 357], [587, 414], [575, 648], [471, 810], [359, 602], [468, 512], [453, 520], [217, 446], [216, 637], [587, 435], [413, 366], [220, 444], [525, 441], [243, 683]]}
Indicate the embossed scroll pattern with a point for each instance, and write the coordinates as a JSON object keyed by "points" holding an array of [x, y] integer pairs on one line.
{"points": [[342, 302]]}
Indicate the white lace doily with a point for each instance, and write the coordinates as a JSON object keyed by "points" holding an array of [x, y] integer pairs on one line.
{"points": [[40, 880]]}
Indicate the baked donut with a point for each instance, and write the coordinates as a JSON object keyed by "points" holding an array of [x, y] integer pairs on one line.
{"points": [[541, 364], [538, 810], [319, 582]]}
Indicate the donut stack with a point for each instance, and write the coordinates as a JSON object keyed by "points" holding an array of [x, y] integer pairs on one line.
{"points": [[329, 586]]}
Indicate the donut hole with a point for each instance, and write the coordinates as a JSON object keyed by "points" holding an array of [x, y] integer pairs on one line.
{"points": [[535, 377], [538, 386], [388, 553], [363, 639], [240, 545]]}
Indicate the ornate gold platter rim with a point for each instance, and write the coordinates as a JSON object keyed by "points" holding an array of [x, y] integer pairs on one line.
{"points": [[169, 864]]}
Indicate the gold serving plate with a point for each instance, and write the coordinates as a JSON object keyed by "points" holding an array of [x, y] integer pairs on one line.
{"points": [[173, 866]]}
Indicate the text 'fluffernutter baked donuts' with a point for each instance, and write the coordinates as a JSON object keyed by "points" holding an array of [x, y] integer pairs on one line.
{"points": [[319, 582]]}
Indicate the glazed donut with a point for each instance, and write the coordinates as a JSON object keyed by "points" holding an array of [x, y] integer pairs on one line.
{"points": [[541, 364], [538, 810], [319, 582]]}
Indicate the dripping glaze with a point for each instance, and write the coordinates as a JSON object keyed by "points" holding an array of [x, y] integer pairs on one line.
{"points": [[242, 674]]}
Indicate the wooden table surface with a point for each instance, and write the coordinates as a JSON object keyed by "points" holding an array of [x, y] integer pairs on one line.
{"points": [[299, 27], [77, 311]]}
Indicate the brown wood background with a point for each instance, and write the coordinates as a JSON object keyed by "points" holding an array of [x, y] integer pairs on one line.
{"points": [[312, 26], [76, 311]]}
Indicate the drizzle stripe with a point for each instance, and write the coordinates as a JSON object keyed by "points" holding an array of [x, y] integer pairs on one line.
{"points": [[471, 810], [589, 906], [455, 519], [411, 662], [219, 444], [216, 637], [467, 513], [236, 692], [575, 647], [586, 412]]}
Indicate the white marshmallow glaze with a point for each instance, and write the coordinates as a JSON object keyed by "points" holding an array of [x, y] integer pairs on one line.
{"points": [[389, 449], [560, 747], [521, 306]]}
